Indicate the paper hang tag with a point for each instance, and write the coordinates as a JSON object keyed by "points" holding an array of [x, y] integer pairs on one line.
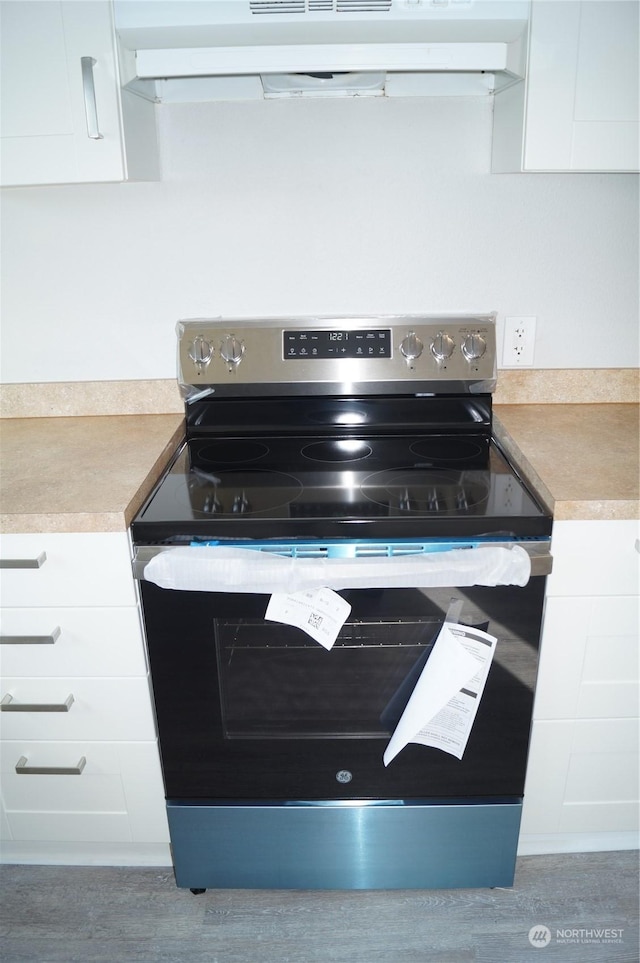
{"points": [[320, 613], [444, 702]]}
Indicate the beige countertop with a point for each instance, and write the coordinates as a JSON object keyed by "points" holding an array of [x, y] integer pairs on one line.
{"points": [[81, 474], [91, 474], [582, 459]]}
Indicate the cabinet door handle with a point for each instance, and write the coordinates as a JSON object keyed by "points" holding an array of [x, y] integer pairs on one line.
{"points": [[24, 770], [36, 562], [89, 92], [8, 705], [31, 639]]}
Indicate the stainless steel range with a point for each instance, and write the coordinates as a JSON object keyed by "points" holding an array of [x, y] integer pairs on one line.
{"points": [[338, 534]]}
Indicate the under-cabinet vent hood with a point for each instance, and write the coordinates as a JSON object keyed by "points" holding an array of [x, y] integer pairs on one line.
{"points": [[319, 6], [336, 47]]}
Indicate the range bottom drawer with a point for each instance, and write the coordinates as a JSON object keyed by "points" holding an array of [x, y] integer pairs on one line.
{"points": [[94, 792], [333, 846]]}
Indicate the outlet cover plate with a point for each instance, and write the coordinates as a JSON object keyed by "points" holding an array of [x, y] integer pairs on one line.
{"points": [[519, 342]]}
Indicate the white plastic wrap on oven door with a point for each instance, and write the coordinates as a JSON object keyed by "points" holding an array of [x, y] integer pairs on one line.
{"points": [[228, 569]]}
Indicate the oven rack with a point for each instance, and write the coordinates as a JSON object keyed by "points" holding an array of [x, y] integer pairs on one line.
{"points": [[235, 635]]}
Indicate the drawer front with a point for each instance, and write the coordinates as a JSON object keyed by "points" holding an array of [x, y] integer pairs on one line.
{"points": [[117, 796], [109, 709], [582, 777], [595, 558], [589, 659], [70, 642], [78, 569]]}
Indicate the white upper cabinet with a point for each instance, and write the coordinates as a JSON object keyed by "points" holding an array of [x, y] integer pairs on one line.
{"points": [[63, 116], [577, 110]]}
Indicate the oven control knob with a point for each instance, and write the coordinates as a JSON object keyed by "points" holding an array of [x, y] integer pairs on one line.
{"points": [[201, 350], [442, 346], [411, 346], [232, 349], [473, 347], [240, 504]]}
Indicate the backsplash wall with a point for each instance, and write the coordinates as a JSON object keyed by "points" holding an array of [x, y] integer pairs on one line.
{"points": [[367, 206]]}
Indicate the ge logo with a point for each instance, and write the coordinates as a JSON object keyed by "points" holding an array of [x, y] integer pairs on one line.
{"points": [[343, 775], [539, 936]]}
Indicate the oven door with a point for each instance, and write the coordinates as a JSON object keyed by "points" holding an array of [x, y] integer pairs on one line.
{"points": [[250, 709]]}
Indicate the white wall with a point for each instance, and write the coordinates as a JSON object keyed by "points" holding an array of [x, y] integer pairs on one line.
{"points": [[285, 207]]}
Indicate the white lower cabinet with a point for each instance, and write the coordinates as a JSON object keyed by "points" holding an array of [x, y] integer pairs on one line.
{"points": [[80, 768], [582, 781], [114, 798]]}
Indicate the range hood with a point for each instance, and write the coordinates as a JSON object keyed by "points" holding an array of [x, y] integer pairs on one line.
{"points": [[312, 47]]}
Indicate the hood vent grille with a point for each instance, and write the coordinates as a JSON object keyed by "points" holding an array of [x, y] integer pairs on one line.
{"points": [[319, 6]]}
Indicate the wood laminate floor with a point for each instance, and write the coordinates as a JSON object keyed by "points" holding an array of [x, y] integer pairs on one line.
{"points": [[588, 903]]}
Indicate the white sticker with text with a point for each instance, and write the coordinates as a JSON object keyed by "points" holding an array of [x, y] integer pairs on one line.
{"points": [[320, 613], [445, 700]]}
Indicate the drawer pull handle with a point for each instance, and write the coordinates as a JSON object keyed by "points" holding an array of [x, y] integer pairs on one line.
{"points": [[36, 562], [31, 639], [8, 705], [24, 770], [89, 92]]}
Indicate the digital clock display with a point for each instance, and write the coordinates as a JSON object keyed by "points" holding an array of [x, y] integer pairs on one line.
{"points": [[370, 343]]}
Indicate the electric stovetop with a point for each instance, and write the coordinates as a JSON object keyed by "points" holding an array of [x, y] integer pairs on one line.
{"points": [[364, 486]]}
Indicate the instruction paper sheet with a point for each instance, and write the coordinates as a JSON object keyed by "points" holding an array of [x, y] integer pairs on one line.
{"points": [[320, 613], [443, 705]]}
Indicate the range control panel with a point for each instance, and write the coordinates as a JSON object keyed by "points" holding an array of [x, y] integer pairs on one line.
{"points": [[339, 355], [336, 344]]}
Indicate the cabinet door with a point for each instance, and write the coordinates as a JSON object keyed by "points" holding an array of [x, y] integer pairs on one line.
{"points": [[47, 113], [578, 109], [582, 110]]}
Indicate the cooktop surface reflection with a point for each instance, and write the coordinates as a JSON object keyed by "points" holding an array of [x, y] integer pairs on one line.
{"points": [[318, 487]]}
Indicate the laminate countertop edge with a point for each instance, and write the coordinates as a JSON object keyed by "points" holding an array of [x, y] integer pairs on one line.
{"points": [[82, 474], [582, 461]]}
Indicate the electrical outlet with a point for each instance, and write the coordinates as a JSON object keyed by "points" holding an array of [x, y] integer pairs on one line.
{"points": [[519, 342]]}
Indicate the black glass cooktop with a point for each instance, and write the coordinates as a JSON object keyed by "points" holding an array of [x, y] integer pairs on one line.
{"points": [[364, 486]]}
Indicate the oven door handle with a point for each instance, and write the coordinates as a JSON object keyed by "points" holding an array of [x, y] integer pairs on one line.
{"points": [[538, 552]]}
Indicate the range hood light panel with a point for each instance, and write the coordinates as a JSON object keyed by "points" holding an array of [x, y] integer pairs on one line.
{"points": [[324, 84]]}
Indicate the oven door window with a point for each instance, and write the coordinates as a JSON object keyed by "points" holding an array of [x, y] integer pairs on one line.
{"points": [[276, 682], [250, 709]]}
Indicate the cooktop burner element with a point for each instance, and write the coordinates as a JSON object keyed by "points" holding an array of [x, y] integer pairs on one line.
{"points": [[233, 452], [436, 450], [347, 449]]}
